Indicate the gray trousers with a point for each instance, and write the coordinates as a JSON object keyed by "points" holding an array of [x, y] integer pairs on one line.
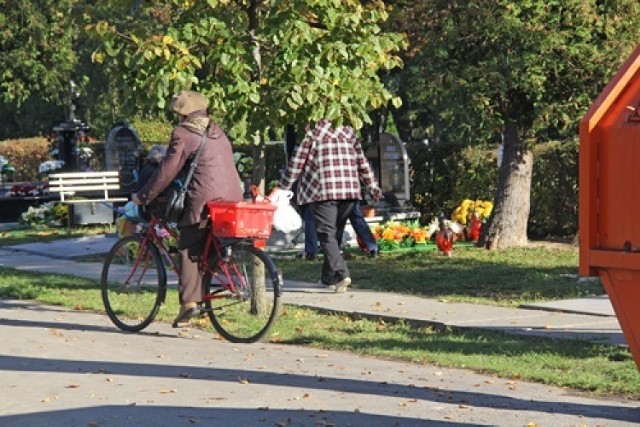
{"points": [[329, 219]]}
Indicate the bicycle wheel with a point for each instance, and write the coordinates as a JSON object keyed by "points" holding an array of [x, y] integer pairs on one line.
{"points": [[134, 283], [242, 293]]}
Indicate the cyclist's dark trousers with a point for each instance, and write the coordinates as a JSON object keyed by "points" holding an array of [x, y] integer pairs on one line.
{"points": [[192, 239]]}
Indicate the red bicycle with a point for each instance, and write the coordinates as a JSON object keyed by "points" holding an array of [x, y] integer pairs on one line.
{"points": [[242, 286]]}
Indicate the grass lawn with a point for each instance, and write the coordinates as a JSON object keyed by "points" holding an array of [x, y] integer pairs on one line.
{"points": [[501, 277], [507, 277]]}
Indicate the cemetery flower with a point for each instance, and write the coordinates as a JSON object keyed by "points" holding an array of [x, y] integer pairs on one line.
{"points": [[28, 189], [392, 234], [463, 213], [85, 153], [50, 166], [50, 213]]}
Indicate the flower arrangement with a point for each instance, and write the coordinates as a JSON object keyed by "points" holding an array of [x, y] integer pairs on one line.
{"points": [[28, 189], [50, 166], [83, 143], [50, 213], [464, 212], [393, 235]]}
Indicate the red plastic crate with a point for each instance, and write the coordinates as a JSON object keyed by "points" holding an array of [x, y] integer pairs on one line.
{"points": [[241, 219]]}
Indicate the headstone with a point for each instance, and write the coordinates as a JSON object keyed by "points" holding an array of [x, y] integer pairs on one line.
{"points": [[390, 162], [122, 153], [69, 134]]}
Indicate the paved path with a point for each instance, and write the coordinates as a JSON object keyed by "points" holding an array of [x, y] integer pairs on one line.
{"points": [[69, 368]]}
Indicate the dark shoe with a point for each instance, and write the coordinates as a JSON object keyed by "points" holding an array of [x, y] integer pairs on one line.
{"points": [[374, 254], [187, 311], [306, 256]]}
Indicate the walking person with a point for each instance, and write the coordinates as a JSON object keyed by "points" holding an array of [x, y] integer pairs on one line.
{"points": [[359, 225], [215, 178], [329, 165]]}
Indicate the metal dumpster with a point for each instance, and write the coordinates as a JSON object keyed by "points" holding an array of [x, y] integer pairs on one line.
{"points": [[609, 196]]}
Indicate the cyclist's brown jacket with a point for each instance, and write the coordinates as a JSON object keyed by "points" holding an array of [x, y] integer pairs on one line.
{"points": [[215, 177]]}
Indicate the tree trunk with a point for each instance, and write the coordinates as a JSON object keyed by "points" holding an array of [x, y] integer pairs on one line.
{"points": [[258, 298], [507, 225]]}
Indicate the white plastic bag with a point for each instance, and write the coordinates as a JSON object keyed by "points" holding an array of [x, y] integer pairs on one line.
{"points": [[285, 217]]}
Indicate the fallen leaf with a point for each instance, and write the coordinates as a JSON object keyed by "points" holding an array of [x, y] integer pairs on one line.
{"points": [[73, 386]]}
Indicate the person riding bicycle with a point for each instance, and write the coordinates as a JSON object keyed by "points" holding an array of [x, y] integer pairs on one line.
{"points": [[215, 178]]}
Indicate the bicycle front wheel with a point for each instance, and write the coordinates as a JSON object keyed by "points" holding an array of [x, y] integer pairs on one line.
{"points": [[134, 283], [242, 293]]}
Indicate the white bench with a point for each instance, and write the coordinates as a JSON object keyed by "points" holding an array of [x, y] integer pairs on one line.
{"points": [[86, 188]]}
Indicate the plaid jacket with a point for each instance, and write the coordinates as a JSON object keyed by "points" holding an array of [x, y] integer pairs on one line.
{"points": [[330, 165]]}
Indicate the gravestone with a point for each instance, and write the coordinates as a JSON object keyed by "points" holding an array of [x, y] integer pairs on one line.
{"points": [[390, 163], [122, 154], [70, 134]]}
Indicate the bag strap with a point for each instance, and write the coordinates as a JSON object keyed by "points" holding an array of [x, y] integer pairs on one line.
{"points": [[194, 162]]}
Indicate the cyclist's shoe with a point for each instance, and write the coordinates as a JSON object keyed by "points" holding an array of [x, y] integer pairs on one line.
{"points": [[187, 311]]}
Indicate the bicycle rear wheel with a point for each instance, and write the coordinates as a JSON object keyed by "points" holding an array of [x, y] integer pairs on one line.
{"points": [[242, 293], [133, 282]]}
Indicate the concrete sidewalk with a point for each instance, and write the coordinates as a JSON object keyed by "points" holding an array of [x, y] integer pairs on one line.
{"points": [[589, 318], [73, 368], [70, 368]]}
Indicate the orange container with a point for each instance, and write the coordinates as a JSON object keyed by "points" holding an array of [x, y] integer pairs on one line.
{"points": [[241, 219], [609, 202]]}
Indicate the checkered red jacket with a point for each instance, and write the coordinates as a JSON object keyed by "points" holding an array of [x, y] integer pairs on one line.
{"points": [[330, 165]]}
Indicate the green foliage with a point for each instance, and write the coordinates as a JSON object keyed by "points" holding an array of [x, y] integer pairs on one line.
{"points": [[287, 61], [537, 63], [153, 131], [36, 49], [554, 192], [444, 174]]}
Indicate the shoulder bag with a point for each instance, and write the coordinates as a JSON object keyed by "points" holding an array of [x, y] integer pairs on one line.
{"points": [[177, 194]]}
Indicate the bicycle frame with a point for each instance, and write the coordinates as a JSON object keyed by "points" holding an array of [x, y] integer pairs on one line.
{"points": [[211, 244], [152, 235]]}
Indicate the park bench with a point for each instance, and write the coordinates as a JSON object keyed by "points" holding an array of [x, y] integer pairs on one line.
{"points": [[87, 194]]}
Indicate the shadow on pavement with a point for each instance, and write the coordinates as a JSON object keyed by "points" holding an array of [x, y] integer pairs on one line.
{"points": [[135, 416], [311, 382]]}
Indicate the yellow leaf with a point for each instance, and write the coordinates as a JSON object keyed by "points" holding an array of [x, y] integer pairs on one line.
{"points": [[167, 40]]}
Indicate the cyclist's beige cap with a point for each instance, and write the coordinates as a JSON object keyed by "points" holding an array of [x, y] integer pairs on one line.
{"points": [[188, 101]]}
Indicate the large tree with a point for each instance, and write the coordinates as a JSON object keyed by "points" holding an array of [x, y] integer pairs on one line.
{"points": [[262, 64], [521, 72], [37, 57]]}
